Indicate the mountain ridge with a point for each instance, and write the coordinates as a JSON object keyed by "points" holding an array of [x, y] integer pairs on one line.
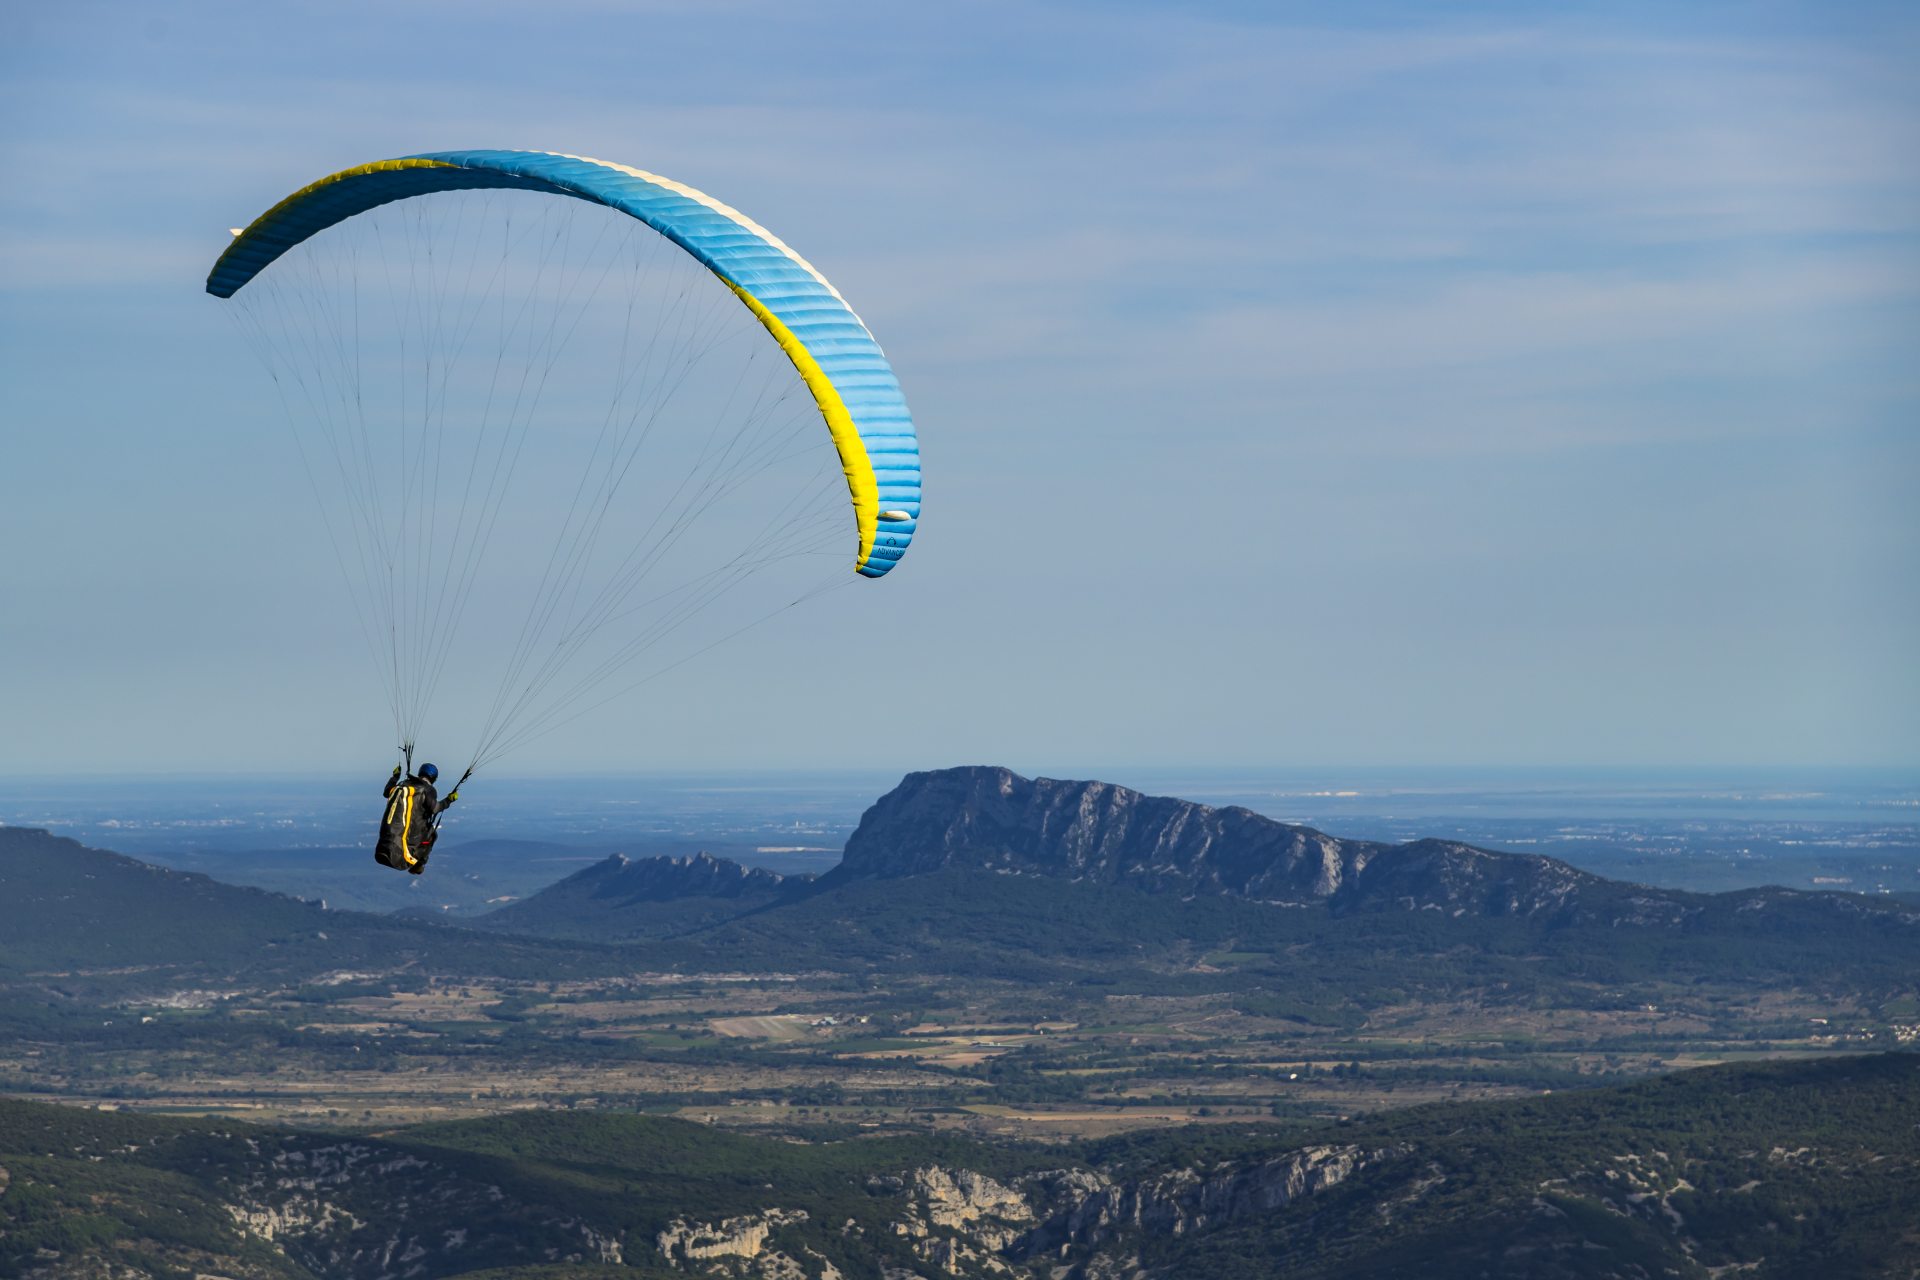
{"points": [[634, 899], [991, 818], [91, 916], [917, 848], [981, 871]]}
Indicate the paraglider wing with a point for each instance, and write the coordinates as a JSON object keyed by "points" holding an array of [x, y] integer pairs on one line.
{"points": [[837, 358]]}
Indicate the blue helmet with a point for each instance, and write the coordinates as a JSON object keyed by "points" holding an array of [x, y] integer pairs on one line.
{"points": [[430, 773]]}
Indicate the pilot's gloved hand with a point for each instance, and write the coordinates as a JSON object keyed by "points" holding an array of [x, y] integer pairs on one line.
{"points": [[396, 772], [453, 795]]}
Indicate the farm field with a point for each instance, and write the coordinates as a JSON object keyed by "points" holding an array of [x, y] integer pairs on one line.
{"points": [[769, 1051]]}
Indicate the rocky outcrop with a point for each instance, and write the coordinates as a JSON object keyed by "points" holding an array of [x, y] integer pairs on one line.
{"points": [[995, 820], [623, 880], [684, 1242], [623, 897], [1093, 1210], [960, 1220], [293, 1219], [966, 1223], [737, 1247], [366, 1211], [963, 1199], [1441, 875]]}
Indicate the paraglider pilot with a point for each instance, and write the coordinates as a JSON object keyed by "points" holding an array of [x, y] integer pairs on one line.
{"points": [[410, 826]]}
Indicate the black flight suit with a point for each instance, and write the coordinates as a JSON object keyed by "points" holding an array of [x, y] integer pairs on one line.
{"points": [[407, 824]]}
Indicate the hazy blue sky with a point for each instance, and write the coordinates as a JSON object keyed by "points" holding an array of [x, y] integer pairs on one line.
{"points": [[1346, 383]]}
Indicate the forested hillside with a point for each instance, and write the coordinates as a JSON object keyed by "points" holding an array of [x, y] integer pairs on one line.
{"points": [[1776, 1169]]}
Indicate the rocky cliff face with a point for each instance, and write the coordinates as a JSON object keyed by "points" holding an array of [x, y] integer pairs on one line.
{"points": [[1090, 1210], [993, 819], [636, 897], [984, 819], [621, 879], [362, 1210], [1460, 879], [1068, 1221], [745, 1236]]}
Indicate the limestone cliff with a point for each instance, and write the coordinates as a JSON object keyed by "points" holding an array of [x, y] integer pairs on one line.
{"points": [[622, 898], [993, 819]]}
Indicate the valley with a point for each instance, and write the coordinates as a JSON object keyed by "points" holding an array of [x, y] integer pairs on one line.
{"points": [[769, 1051], [1020, 1019]]}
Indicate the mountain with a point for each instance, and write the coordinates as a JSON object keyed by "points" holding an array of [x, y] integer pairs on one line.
{"points": [[982, 819], [992, 819], [1759, 1169], [624, 899], [85, 919], [979, 871], [469, 876]]}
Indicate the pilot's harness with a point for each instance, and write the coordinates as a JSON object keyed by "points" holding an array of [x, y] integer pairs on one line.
{"points": [[433, 827]]}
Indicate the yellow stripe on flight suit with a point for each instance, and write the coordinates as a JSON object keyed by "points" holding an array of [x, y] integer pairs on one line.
{"points": [[406, 833]]}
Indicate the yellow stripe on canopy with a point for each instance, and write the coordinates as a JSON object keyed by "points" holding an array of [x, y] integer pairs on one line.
{"points": [[840, 425]]}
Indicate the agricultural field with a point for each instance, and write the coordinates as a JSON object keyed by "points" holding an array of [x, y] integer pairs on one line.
{"points": [[768, 1051]]}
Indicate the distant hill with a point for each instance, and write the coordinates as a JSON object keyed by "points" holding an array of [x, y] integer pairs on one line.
{"points": [[623, 899], [992, 819], [1767, 1170], [80, 918], [468, 875], [979, 870]]}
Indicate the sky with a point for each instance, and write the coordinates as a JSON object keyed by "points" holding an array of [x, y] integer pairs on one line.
{"points": [[1385, 384]]}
